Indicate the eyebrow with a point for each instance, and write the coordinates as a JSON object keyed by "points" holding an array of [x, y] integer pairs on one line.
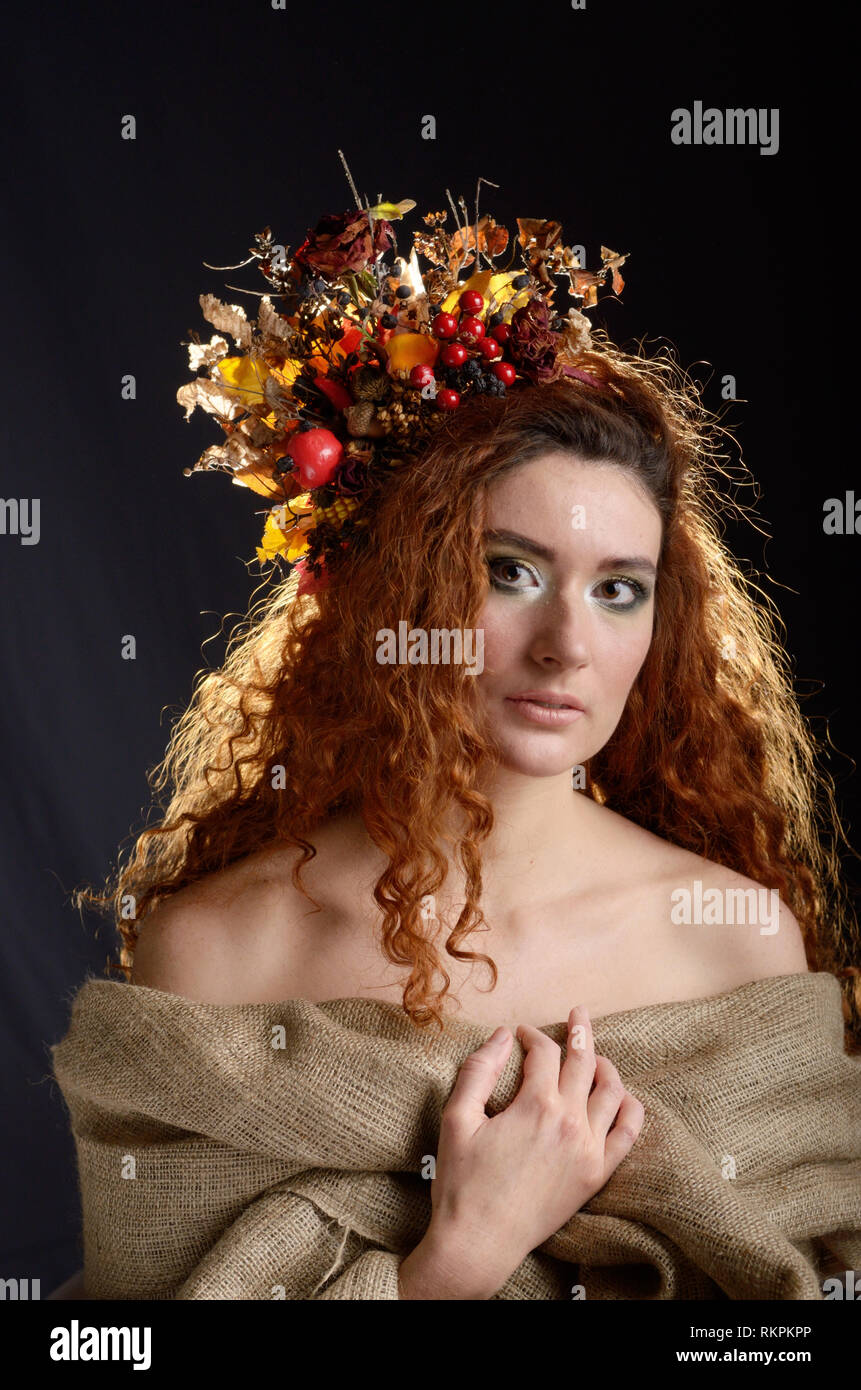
{"points": [[611, 562]]}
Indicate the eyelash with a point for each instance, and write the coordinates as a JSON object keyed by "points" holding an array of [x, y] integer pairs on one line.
{"points": [[639, 589]]}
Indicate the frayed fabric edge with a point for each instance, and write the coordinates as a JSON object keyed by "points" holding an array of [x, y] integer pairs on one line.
{"points": [[334, 1267]]}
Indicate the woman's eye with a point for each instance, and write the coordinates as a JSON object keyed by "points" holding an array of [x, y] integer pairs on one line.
{"points": [[501, 570], [637, 590], [504, 571]]}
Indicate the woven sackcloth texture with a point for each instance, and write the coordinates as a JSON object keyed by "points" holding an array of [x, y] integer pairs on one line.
{"points": [[276, 1150]]}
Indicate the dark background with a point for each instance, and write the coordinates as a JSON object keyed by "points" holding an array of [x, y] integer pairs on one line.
{"points": [[240, 110]]}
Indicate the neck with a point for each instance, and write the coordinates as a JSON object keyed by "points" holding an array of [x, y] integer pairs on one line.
{"points": [[544, 834]]}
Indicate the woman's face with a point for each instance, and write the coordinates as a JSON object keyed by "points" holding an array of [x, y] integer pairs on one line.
{"points": [[570, 607]]}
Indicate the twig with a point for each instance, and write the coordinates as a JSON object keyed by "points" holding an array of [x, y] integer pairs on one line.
{"points": [[239, 266], [353, 188], [477, 191], [457, 224]]}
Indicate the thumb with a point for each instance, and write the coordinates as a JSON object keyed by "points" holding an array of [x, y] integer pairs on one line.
{"points": [[479, 1074]]}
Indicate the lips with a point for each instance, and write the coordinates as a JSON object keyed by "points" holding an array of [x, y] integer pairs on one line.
{"points": [[558, 699]]}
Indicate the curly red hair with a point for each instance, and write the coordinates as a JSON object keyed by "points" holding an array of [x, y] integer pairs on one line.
{"points": [[711, 754]]}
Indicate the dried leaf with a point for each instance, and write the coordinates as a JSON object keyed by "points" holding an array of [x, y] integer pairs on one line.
{"points": [[537, 232], [278, 400], [584, 282], [613, 262], [576, 332], [211, 397], [248, 468], [492, 239], [205, 354], [273, 324], [227, 318], [255, 431], [435, 247]]}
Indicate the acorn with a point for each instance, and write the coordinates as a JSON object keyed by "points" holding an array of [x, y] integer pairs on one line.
{"points": [[362, 421]]}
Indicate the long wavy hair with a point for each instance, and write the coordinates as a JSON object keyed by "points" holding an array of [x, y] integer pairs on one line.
{"points": [[301, 722]]}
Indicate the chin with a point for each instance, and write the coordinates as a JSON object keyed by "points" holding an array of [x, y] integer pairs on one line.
{"points": [[534, 758]]}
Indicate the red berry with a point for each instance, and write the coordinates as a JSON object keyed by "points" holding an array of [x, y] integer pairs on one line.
{"points": [[454, 354], [447, 400], [490, 348], [422, 375], [502, 332], [316, 454], [505, 372], [471, 302], [471, 330], [444, 326]]}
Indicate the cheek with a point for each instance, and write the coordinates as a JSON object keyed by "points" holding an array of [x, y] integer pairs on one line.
{"points": [[620, 655], [506, 632]]}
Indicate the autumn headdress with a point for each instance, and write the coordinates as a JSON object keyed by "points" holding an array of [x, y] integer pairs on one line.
{"points": [[357, 355]]}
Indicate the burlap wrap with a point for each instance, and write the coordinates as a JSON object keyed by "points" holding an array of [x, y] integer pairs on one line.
{"points": [[264, 1171]]}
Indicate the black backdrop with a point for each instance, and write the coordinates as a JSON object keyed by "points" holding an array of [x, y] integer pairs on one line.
{"points": [[240, 109]]}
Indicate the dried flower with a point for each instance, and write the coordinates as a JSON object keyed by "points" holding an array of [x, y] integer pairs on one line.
{"points": [[533, 344], [351, 479], [341, 242]]}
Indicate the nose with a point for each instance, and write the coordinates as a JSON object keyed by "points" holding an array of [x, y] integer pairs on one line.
{"points": [[561, 633]]}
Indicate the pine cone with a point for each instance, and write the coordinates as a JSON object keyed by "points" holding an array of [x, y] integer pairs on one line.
{"points": [[369, 384]]}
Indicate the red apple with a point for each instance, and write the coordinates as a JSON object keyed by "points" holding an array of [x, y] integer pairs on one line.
{"points": [[316, 454]]}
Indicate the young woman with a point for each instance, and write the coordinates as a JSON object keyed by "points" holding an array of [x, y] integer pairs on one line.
{"points": [[583, 547], [615, 797]]}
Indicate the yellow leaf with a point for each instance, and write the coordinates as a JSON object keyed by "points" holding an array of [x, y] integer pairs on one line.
{"points": [[287, 373], [276, 542], [273, 541], [246, 376], [264, 486], [392, 212], [492, 284], [298, 545]]}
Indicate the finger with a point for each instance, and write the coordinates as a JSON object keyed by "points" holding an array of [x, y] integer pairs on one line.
{"points": [[578, 1069], [603, 1104], [541, 1062], [479, 1074], [624, 1134]]}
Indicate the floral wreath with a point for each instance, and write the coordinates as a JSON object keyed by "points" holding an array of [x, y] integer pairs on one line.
{"points": [[365, 356]]}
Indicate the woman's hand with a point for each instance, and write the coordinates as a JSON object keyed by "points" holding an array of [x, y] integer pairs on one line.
{"points": [[505, 1184]]}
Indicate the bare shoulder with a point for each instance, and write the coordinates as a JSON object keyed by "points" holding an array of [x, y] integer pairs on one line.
{"points": [[211, 940], [740, 930], [248, 934], [725, 925]]}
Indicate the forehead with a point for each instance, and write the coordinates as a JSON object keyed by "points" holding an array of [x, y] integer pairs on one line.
{"points": [[559, 499]]}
